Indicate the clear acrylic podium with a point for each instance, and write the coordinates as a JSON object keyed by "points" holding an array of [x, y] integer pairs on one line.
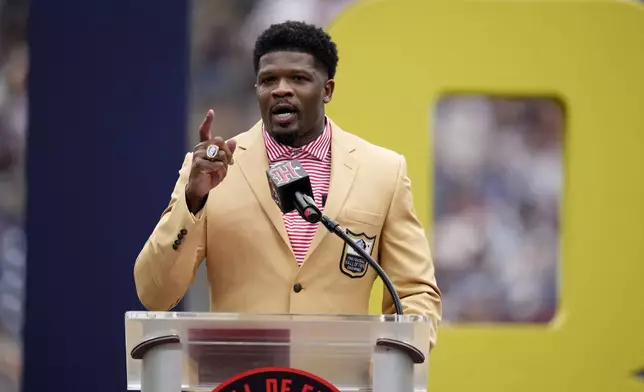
{"points": [[182, 351]]}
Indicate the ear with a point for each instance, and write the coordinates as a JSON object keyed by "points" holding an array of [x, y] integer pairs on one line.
{"points": [[329, 86]]}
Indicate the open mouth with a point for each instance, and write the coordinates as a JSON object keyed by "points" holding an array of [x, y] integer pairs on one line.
{"points": [[284, 112]]}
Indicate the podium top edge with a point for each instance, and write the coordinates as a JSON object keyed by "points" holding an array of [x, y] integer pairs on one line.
{"points": [[212, 316]]}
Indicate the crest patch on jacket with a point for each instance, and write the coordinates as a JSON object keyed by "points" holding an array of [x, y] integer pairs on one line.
{"points": [[351, 263]]}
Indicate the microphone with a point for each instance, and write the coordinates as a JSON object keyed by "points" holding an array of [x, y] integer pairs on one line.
{"points": [[291, 189]]}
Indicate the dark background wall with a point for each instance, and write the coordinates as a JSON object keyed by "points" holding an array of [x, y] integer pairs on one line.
{"points": [[107, 122]]}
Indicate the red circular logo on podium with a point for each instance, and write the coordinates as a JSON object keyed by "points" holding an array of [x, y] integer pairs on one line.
{"points": [[276, 379]]}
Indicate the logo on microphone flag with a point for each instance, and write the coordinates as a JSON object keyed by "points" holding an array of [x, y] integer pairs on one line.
{"points": [[351, 263], [285, 172], [275, 379]]}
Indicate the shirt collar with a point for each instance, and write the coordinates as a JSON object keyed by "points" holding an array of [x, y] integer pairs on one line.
{"points": [[318, 148]]}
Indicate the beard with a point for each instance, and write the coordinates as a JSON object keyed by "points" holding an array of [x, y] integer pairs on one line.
{"points": [[287, 139]]}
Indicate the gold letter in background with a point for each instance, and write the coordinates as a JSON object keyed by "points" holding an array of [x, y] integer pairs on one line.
{"points": [[399, 57]]}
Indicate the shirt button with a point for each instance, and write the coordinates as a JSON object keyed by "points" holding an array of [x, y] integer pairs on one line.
{"points": [[297, 288]]}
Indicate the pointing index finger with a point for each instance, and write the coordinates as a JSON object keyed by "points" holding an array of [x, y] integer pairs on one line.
{"points": [[204, 129]]}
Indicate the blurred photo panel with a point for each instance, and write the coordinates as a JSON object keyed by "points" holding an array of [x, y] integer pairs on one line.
{"points": [[498, 179]]}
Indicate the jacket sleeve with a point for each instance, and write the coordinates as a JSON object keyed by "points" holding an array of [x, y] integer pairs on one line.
{"points": [[406, 257], [166, 266]]}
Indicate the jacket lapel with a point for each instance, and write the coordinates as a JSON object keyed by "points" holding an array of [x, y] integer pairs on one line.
{"points": [[253, 163], [343, 170]]}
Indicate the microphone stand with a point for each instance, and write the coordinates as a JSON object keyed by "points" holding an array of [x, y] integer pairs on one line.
{"points": [[307, 209]]}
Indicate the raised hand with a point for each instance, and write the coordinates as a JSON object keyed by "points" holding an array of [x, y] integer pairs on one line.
{"points": [[210, 161]]}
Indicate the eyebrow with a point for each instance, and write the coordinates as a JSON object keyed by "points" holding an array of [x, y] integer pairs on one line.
{"points": [[306, 70]]}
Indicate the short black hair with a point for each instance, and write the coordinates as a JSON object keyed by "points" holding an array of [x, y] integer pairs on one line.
{"points": [[298, 37]]}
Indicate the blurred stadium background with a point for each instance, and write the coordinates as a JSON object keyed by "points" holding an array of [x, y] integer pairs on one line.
{"points": [[13, 136]]}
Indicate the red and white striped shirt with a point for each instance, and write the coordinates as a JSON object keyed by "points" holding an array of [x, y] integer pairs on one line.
{"points": [[315, 157]]}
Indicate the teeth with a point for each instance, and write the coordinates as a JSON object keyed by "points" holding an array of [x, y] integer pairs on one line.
{"points": [[283, 115]]}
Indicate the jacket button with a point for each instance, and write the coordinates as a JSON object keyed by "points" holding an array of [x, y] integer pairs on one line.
{"points": [[174, 246], [184, 231], [297, 288], [177, 242]]}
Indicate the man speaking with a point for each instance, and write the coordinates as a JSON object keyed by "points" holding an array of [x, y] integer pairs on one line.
{"points": [[260, 260]]}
